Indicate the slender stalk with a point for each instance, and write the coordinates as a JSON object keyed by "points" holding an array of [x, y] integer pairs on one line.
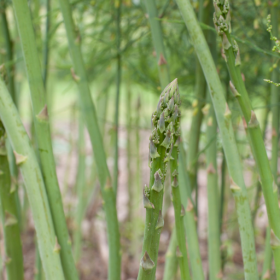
{"points": [[254, 134], [274, 100], [91, 122], [81, 182], [118, 4], [214, 253], [199, 102], [38, 274], [160, 152], [9, 215], [225, 126], [190, 219], [43, 137], [34, 184], [157, 37], [179, 211]]}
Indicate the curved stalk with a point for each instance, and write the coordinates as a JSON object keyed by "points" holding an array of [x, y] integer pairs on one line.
{"points": [[43, 137], [10, 222], [226, 130], [91, 121], [160, 152], [34, 184]]}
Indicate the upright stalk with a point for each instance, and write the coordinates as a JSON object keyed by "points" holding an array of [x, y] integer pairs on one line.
{"points": [[157, 37], [214, 255], [190, 219], [200, 94], [9, 216], [228, 140], [160, 152], [118, 4], [43, 137], [34, 184], [179, 211], [91, 121], [252, 127], [80, 187]]}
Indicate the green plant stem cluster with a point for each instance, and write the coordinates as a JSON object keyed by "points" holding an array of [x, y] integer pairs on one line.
{"points": [[269, 187]]}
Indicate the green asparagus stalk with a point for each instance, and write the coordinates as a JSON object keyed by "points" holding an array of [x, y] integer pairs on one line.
{"points": [[190, 219], [161, 140], [34, 184], [43, 137], [214, 255], [274, 100], [179, 211], [91, 121], [225, 126], [81, 182], [157, 37], [118, 4], [222, 22], [200, 94], [11, 228]]}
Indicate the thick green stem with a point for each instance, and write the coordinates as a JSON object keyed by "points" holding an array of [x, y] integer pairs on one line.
{"points": [[91, 122], [43, 137], [34, 184], [158, 42], [9, 215], [228, 140], [163, 120], [179, 211]]}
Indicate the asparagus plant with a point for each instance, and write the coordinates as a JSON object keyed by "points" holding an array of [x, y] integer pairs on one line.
{"points": [[190, 219], [229, 144], [91, 121], [214, 255], [34, 184], [9, 216], [179, 209], [230, 47], [118, 5], [160, 149]]}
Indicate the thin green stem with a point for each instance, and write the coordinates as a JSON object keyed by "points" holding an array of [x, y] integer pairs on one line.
{"points": [[228, 140], [80, 187], [190, 219], [157, 37], [43, 136], [179, 211], [91, 121], [9, 215], [118, 85]]}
